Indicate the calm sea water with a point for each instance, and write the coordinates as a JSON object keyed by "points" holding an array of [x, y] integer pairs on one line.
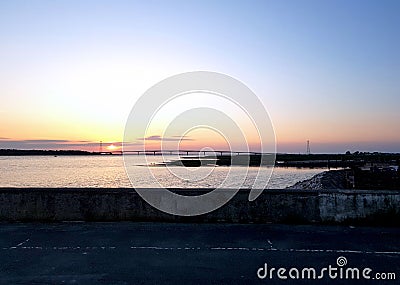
{"points": [[109, 171]]}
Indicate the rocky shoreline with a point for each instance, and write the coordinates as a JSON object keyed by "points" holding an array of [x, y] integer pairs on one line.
{"points": [[333, 179]]}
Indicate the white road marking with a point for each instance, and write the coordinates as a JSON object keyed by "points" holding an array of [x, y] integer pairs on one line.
{"points": [[21, 243], [92, 248]]}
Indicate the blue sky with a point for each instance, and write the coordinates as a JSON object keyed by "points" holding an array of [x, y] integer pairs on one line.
{"points": [[327, 71]]}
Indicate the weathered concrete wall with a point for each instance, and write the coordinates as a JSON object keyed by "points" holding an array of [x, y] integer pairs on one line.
{"points": [[272, 206]]}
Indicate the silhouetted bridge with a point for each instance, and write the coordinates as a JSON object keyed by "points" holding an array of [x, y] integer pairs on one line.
{"points": [[185, 152]]}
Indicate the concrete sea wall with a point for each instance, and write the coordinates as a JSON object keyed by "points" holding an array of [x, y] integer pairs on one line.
{"points": [[272, 206]]}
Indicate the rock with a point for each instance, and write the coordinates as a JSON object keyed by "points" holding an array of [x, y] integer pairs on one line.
{"points": [[333, 179]]}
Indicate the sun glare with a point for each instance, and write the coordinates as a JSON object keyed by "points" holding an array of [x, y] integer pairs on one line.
{"points": [[112, 147]]}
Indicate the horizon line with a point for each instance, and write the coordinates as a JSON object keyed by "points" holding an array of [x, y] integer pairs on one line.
{"points": [[192, 151]]}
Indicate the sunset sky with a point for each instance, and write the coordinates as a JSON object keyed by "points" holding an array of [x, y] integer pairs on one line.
{"points": [[327, 71]]}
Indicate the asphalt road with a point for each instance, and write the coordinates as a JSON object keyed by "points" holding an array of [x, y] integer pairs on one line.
{"points": [[162, 253]]}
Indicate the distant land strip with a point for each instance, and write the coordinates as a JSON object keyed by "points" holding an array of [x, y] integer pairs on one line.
{"points": [[283, 159], [22, 152]]}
